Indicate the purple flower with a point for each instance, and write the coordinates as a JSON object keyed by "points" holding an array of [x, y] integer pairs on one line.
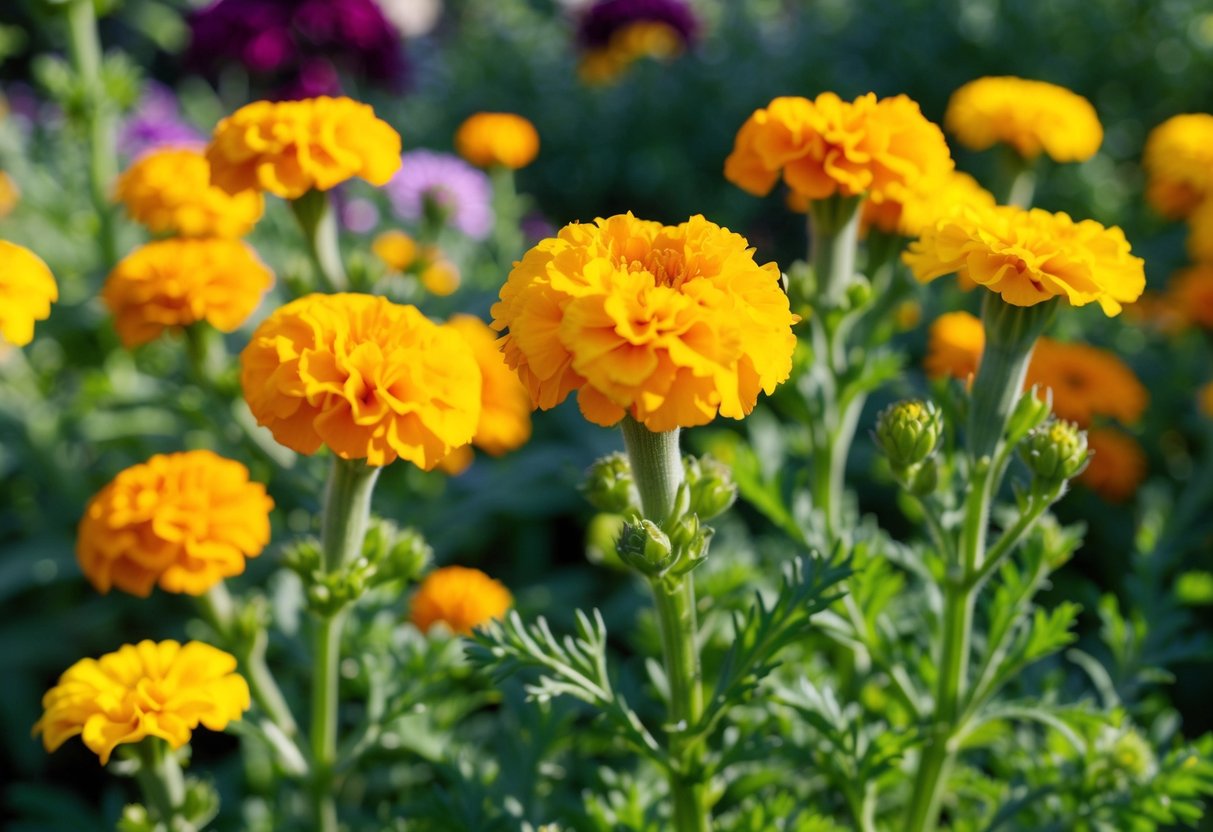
{"points": [[606, 17], [461, 191], [155, 122]]}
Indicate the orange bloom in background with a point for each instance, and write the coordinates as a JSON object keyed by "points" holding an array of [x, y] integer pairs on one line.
{"points": [[366, 377], [671, 324], [459, 597], [173, 283], [182, 521], [497, 139], [291, 147], [27, 290], [642, 39], [396, 249], [907, 211], [1031, 256], [1030, 116], [1158, 311], [1190, 293], [169, 191], [828, 146], [1178, 159], [954, 346], [1087, 382], [505, 412], [148, 689], [1117, 465], [441, 277]]}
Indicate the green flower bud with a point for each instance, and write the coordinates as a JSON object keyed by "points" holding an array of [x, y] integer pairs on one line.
{"points": [[1055, 452], [689, 539], [408, 557], [1030, 412], [908, 432], [609, 486], [645, 547], [711, 484], [1133, 755]]}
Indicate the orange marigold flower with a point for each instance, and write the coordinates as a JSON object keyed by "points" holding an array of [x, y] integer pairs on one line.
{"points": [[142, 690], [441, 277], [954, 346], [459, 597], [1087, 382], [369, 378], [27, 290], [505, 405], [173, 283], [829, 146], [1117, 465], [1190, 292], [291, 147], [1031, 256], [183, 521], [169, 190], [642, 39], [670, 324], [491, 139], [396, 249], [1178, 159], [907, 211], [1030, 116]]}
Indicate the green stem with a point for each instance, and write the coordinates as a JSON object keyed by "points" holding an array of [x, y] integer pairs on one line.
{"points": [[161, 781], [1019, 179], [318, 221], [507, 213], [656, 468], [834, 231]]}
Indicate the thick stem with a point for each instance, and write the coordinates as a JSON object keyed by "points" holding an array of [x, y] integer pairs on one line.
{"points": [[1018, 179], [318, 221], [834, 232], [161, 780], [656, 468], [507, 215]]}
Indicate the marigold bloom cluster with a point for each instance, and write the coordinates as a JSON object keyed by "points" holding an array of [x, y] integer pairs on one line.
{"points": [[670, 324], [497, 139], [1031, 256], [1030, 116], [1117, 465], [169, 191], [27, 290], [148, 689], [291, 147], [1178, 159], [505, 412], [907, 211], [459, 597], [366, 377], [828, 146], [173, 283], [182, 521]]}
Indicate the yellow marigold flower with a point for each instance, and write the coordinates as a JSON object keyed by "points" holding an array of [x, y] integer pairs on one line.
{"points": [[173, 283], [441, 277], [954, 346], [27, 290], [1031, 256], [490, 139], [1190, 292], [169, 190], [642, 39], [369, 378], [1030, 116], [183, 521], [1200, 232], [1205, 400], [1117, 465], [143, 690], [909, 210], [1087, 382], [829, 146], [10, 194], [459, 597], [668, 323], [1178, 159], [505, 414], [290, 147], [396, 249]]}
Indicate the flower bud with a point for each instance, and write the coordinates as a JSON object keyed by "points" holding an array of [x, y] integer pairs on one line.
{"points": [[645, 547], [908, 432], [1030, 412], [711, 485], [609, 486], [1055, 451]]}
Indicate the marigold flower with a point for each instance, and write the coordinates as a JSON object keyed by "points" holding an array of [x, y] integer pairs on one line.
{"points": [[441, 277], [291, 147], [1031, 256], [490, 139], [829, 146], [1190, 292], [1030, 116], [169, 190], [668, 323], [148, 689], [954, 346], [459, 597], [907, 211], [183, 521], [1178, 159], [1087, 382], [173, 283], [396, 249], [505, 414], [27, 290], [1117, 465], [369, 378]]}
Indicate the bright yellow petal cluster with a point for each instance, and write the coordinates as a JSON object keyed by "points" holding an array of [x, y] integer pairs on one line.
{"points": [[1117, 465], [290, 147], [459, 597], [27, 290], [440, 276], [1087, 382], [497, 139], [829, 146], [366, 377], [670, 324], [505, 414], [181, 521], [954, 346], [1190, 293], [1031, 256], [169, 191], [908, 211], [173, 283], [1178, 159], [143, 690], [1030, 116]]}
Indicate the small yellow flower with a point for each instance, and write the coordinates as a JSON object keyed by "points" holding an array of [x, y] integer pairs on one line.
{"points": [[10, 194], [1087, 382], [1117, 467], [441, 277], [505, 415], [954, 346], [183, 521], [173, 283], [459, 597], [396, 249], [1030, 116], [1190, 292], [1178, 159], [27, 290], [291, 147], [169, 190], [491, 139], [143, 690]]}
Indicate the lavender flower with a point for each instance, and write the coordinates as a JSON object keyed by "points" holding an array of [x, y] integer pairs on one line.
{"points": [[156, 121], [605, 18], [461, 191]]}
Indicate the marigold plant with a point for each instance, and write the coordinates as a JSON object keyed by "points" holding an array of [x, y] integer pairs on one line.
{"points": [[1117, 467], [505, 411], [459, 597], [27, 290], [1178, 159], [497, 139], [148, 689], [1030, 116], [173, 283], [366, 377]]}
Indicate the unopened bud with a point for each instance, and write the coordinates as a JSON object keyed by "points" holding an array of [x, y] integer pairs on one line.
{"points": [[1055, 451], [712, 486], [908, 432], [609, 486], [645, 547]]}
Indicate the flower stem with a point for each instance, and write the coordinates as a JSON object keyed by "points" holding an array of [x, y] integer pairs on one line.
{"points": [[161, 781], [1019, 179], [656, 468], [834, 231], [318, 221]]}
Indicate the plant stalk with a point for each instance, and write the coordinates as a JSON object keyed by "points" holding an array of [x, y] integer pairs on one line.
{"points": [[318, 221], [161, 780]]}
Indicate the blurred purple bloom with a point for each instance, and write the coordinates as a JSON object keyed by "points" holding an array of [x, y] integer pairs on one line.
{"points": [[358, 215], [461, 190], [155, 122], [606, 17]]}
